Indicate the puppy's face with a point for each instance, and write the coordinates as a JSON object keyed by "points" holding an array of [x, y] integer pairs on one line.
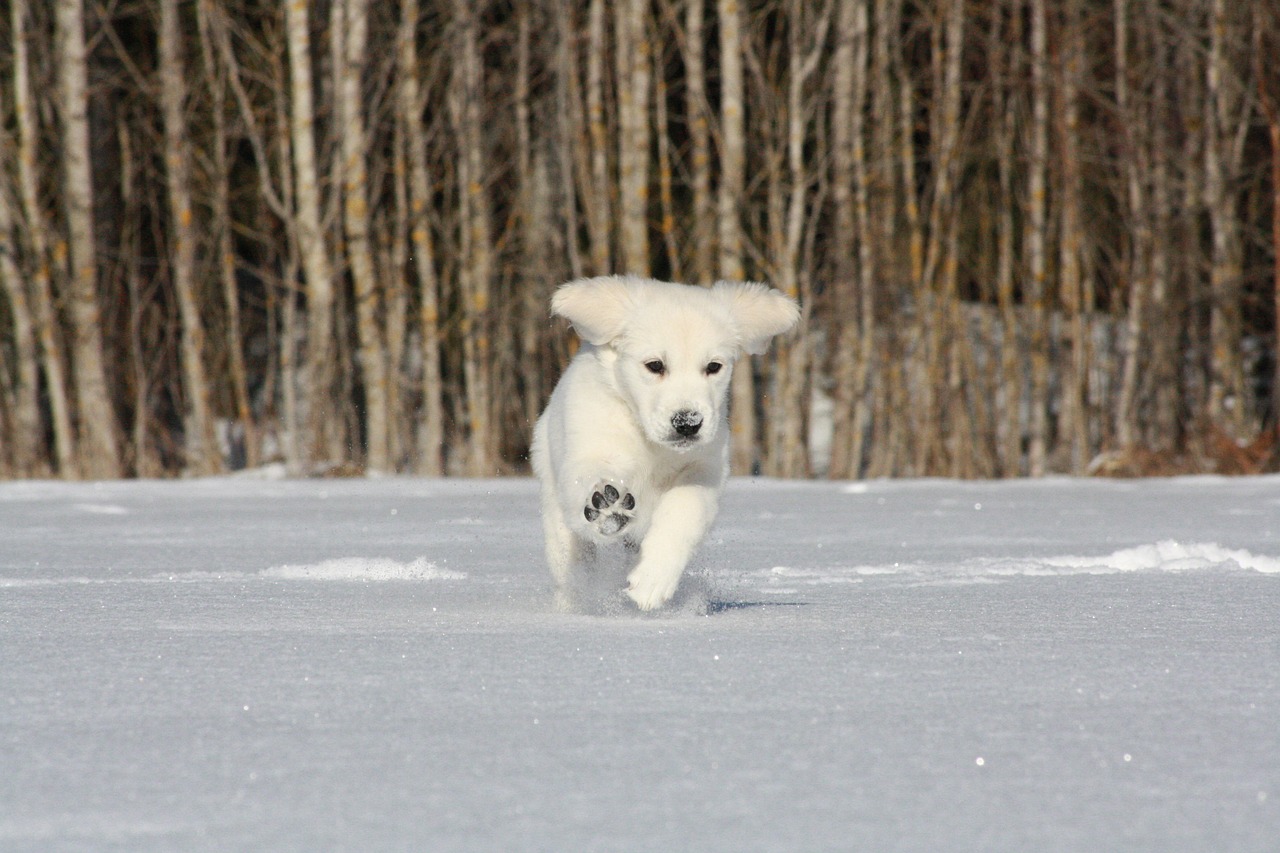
{"points": [[674, 363], [672, 347]]}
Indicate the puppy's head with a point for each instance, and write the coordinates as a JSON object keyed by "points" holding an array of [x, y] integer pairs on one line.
{"points": [[672, 347]]}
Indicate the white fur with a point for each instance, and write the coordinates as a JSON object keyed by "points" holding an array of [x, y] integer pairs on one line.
{"points": [[613, 421]]}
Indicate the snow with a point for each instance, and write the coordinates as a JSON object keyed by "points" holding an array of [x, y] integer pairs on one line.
{"points": [[235, 663]]}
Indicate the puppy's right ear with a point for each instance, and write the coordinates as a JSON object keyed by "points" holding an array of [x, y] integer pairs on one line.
{"points": [[597, 307]]}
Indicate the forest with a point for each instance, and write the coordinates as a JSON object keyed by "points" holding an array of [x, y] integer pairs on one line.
{"points": [[1028, 236]]}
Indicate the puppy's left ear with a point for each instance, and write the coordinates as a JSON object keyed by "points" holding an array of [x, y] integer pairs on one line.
{"points": [[597, 307], [759, 311]]}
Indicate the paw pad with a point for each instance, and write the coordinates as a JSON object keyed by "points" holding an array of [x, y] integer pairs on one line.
{"points": [[609, 509]]}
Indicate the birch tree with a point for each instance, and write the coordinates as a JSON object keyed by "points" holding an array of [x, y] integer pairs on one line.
{"points": [[373, 366], [697, 109], [729, 226], [25, 452], [202, 450], [38, 268], [599, 220], [100, 454], [1036, 238], [1226, 123], [632, 50], [431, 414], [322, 442], [212, 35], [465, 103]]}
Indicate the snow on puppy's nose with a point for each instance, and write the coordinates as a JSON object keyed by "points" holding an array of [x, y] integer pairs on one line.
{"points": [[686, 422]]}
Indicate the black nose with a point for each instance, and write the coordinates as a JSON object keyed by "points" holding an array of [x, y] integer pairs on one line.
{"points": [[686, 423]]}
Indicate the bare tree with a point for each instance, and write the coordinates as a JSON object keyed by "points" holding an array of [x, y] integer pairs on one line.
{"points": [[1022, 232], [322, 441], [598, 211], [631, 23], [729, 225], [212, 37], [1226, 122], [1036, 239], [1074, 288], [465, 102], [697, 108], [1266, 34], [100, 454], [787, 446], [52, 353], [201, 445], [25, 452], [431, 417], [373, 365]]}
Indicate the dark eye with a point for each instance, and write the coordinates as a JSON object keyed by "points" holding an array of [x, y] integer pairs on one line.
{"points": [[713, 368], [655, 366]]}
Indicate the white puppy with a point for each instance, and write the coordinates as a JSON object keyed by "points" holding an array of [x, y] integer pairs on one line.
{"points": [[633, 448]]}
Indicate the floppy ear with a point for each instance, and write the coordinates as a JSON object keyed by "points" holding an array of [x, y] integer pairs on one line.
{"points": [[759, 311], [597, 307]]}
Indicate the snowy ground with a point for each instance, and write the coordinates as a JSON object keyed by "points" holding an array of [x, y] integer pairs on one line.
{"points": [[242, 664]]}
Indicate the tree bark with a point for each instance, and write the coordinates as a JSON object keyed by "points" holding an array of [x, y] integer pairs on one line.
{"points": [[1071, 248], [633, 85], [100, 453], [787, 448], [24, 445], [598, 212], [372, 346], [203, 457], [477, 259], [699, 118], [321, 444], [52, 353], [843, 463], [211, 31], [1009, 433], [1127, 422], [1226, 116], [729, 225], [1036, 238], [1266, 35], [431, 414]]}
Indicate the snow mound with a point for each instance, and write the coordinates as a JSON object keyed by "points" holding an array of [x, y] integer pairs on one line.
{"points": [[1163, 556], [365, 569], [1170, 556]]}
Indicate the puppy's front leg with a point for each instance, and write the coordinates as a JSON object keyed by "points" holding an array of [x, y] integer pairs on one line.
{"points": [[680, 520]]}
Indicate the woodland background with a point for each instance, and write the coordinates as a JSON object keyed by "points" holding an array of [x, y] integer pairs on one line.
{"points": [[1028, 236]]}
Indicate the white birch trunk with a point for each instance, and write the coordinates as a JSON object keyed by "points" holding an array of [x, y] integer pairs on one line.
{"points": [[373, 366], [321, 442], [633, 85], [729, 225], [52, 353], [24, 446], [210, 38], [100, 453], [431, 418], [477, 259], [598, 213], [1036, 239], [1229, 407], [201, 445], [699, 118]]}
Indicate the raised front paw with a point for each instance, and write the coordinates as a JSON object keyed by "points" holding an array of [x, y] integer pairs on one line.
{"points": [[609, 509]]}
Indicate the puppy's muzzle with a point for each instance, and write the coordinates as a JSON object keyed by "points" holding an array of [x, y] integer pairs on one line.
{"points": [[686, 423]]}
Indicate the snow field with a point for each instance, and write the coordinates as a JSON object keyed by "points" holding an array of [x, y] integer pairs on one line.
{"points": [[376, 664]]}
